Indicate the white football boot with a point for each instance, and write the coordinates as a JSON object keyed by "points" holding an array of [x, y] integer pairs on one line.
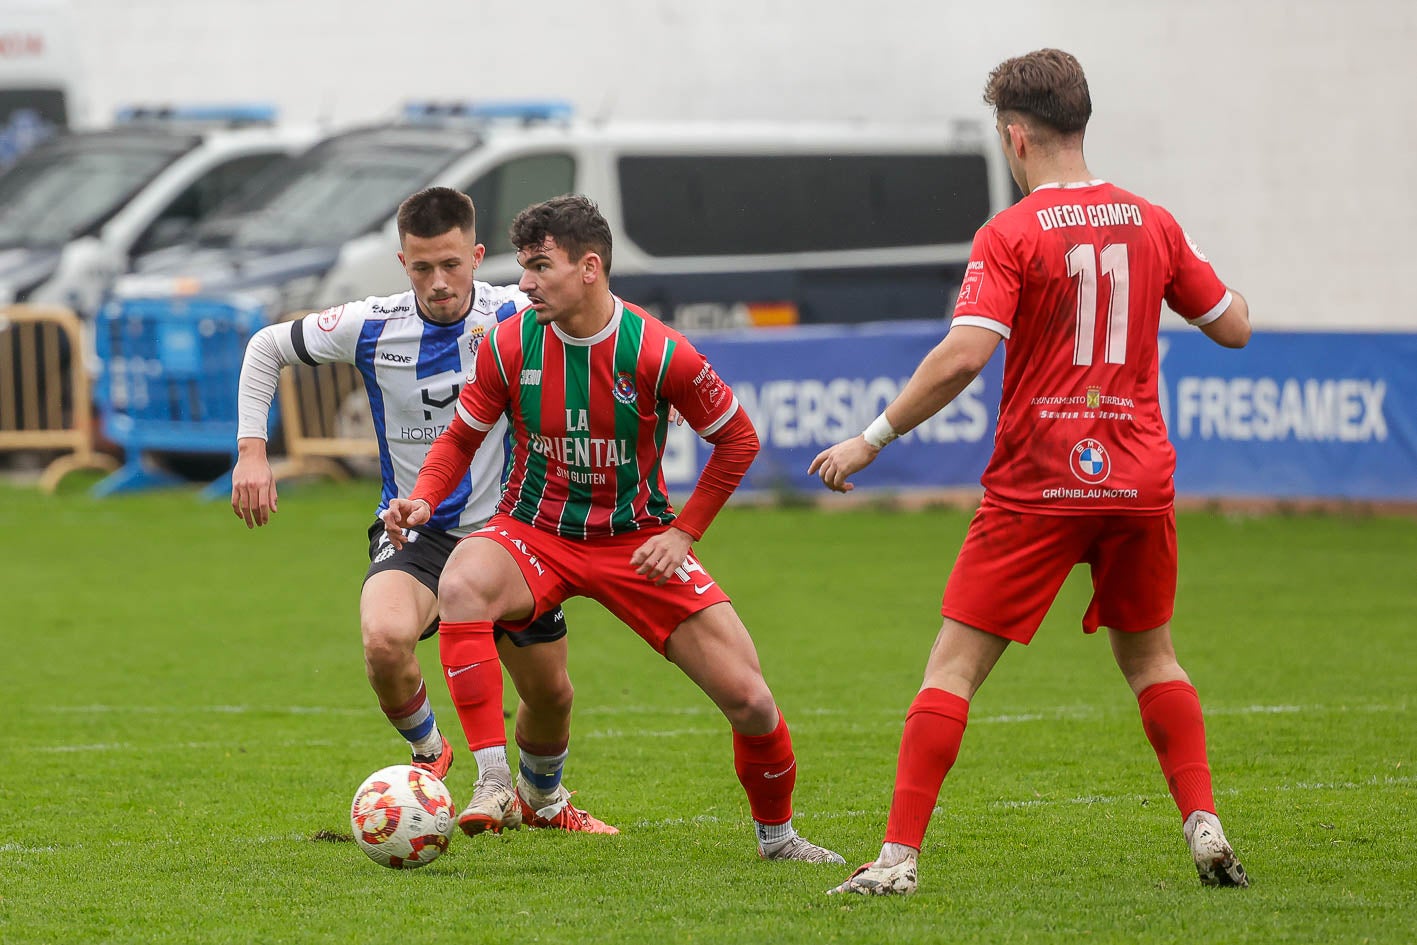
{"points": [[1215, 860], [873, 880], [803, 851], [494, 805]]}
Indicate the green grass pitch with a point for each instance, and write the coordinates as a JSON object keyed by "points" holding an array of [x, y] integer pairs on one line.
{"points": [[184, 710]]}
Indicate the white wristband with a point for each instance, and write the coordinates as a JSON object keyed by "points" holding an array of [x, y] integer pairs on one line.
{"points": [[880, 432]]}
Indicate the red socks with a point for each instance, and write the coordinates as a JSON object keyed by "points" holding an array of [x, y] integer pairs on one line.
{"points": [[934, 727], [474, 677], [767, 770], [1171, 716]]}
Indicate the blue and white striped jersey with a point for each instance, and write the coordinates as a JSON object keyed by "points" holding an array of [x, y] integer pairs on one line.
{"points": [[413, 371]]}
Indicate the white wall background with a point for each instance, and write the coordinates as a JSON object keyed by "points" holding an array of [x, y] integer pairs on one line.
{"points": [[1280, 132]]}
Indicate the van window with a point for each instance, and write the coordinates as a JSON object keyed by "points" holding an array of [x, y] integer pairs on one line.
{"points": [[28, 117], [201, 197], [508, 188], [339, 189], [74, 185], [732, 205]]}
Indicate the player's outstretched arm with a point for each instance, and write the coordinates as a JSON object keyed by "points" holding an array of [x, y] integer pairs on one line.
{"points": [[846, 458], [253, 485], [735, 444], [443, 467], [403, 514], [946, 371]]}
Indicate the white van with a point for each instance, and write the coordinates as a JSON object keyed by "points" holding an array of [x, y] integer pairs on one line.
{"points": [[39, 75], [716, 224], [77, 209]]}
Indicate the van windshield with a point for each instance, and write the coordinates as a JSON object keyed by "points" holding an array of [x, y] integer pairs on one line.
{"points": [[332, 194], [76, 184]]}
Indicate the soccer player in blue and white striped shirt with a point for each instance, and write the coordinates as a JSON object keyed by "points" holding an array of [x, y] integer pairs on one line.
{"points": [[414, 351]]}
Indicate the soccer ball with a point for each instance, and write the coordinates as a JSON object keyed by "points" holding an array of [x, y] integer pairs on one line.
{"points": [[402, 817]]}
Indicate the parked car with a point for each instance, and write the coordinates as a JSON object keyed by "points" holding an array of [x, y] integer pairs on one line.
{"points": [[716, 224], [77, 209]]}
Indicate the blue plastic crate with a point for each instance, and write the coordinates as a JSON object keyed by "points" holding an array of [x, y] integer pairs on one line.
{"points": [[168, 375]]}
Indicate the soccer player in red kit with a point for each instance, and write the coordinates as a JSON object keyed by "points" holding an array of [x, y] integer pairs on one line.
{"points": [[1071, 279], [588, 382]]}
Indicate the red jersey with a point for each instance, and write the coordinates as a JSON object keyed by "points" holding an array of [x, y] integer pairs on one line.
{"points": [[589, 418], [1073, 278]]}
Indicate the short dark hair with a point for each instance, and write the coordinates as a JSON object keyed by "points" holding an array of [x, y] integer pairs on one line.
{"points": [[572, 220], [1046, 85], [435, 211]]}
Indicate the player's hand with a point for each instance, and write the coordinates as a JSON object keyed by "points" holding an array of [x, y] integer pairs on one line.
{"points": [[657, 558], [675, 417], [837, 462], [403, 514], [253, 487]]}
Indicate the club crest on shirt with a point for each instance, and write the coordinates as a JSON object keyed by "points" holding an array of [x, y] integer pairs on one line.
{"points": [[329, 318], [1089, 462], [1094, 398], [474, 341], [624, 389]]}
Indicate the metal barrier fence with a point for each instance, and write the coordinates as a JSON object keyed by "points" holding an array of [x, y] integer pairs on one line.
{"points": [[45, 398], [325, 419], [167, 381]]}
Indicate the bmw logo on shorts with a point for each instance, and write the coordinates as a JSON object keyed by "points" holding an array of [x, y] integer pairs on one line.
{"points": [[1089, 462]]}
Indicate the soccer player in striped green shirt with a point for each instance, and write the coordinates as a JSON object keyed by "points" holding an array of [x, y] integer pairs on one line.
{"points": [[588, 381]]}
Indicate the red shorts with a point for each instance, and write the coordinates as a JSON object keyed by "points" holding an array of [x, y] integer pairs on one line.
{"points": [[1013, 563], [556, 568]]}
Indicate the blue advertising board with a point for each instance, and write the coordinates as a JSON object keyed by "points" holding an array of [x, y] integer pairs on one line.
{"points": [[807, 388], [1295, 414]]}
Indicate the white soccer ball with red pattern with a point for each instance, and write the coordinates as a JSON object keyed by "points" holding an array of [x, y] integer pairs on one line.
{"points": [[402, 817]]}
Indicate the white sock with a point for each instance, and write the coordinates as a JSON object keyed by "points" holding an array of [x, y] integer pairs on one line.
{"points": [[772, 835], [490, 760], [429, 745], [893, 853]]}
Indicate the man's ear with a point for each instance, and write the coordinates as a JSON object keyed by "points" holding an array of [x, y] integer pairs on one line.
{"points": [[1018, 138]]}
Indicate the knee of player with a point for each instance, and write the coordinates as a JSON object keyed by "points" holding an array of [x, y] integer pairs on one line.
{"points": [[551, 695], [387, 645], [466, 594], [1141, 675], [749, 705]]}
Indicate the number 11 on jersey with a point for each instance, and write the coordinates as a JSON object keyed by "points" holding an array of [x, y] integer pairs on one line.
{"points": [[1084, 261]]}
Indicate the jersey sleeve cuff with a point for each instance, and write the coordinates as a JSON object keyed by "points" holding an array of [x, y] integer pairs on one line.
{"points": [[979, 321], [1215, 312], [466, 417], [717, 425]]}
